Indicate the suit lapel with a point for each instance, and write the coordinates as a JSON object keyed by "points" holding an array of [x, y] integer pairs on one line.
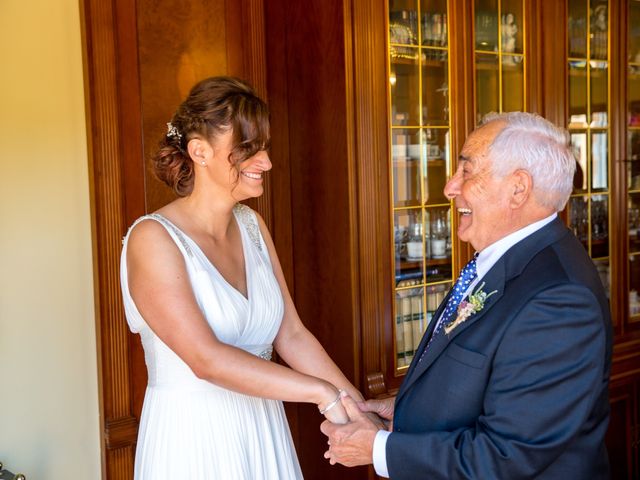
{"points": [[494, 280], [508, 266]]}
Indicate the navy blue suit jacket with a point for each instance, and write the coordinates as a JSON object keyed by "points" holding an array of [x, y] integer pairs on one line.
{"points": [[520, 390]]}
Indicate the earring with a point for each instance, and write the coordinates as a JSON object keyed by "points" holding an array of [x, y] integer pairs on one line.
{"points": [[203, 163]]}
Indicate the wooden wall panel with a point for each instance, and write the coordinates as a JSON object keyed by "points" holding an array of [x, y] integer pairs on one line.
{"points": [[140, 60], [320, 198], [311, 90], [179, 43]]}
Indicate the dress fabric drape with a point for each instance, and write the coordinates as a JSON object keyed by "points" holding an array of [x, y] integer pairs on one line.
{"points": [[191, 428]]}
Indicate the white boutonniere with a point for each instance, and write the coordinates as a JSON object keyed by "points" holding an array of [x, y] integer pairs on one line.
{"points": [[473, 304]]}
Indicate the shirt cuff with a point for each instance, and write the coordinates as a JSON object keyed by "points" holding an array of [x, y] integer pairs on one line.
{"points": [[380, 453]]}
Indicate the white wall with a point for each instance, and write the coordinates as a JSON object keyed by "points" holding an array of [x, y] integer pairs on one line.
{"points": [[49, 427]]}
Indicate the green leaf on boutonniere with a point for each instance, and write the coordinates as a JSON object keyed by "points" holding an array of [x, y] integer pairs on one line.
{"points": [[473, 304]]}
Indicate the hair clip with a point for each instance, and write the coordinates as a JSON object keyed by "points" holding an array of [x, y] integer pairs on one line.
{"points": [[172, 131]]}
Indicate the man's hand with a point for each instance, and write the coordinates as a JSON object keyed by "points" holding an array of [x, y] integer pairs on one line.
{"points": [[350, 444], [384, 408]]}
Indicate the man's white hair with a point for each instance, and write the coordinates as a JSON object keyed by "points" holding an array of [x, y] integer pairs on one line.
{"points": [[534, 144]]}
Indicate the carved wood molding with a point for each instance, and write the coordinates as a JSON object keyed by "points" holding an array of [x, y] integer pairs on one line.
{"points": [[121, 432], [375, 384], [106, 159], [619, 246], [365, 61]]}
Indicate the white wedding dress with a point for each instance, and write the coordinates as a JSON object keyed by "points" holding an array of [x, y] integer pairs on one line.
{"points": [[191, 428]]}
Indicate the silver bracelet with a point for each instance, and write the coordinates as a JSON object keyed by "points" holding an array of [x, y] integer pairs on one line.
{"points": [[332, 404]]}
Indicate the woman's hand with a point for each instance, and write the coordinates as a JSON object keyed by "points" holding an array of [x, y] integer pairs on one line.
{"points": [[331, 407]]}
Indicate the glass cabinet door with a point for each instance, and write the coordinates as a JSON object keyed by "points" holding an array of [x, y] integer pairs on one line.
{"points": [[633, 157], [499, 50], [588, 124], [420, 163], [420, 125]]}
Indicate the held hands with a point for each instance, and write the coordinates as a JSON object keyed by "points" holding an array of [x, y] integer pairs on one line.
{"points": [[383, 408], [350, 444]]}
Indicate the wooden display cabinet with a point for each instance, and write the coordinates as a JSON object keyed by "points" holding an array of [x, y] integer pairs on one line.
{"points": [[415, 77], [370, 102], [421, 98]]}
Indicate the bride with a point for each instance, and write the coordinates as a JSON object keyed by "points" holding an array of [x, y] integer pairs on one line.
{"points": [[203, 287]]}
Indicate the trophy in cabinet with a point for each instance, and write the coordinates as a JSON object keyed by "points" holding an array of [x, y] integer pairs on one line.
{"points": [[508, 33]]}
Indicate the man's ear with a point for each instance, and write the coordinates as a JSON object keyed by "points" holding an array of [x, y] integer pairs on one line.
{"points": [[522, 185]]}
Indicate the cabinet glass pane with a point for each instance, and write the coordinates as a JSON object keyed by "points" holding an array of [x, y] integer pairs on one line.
{"points": [[633, 89], [487, 85], [405, 89], [599, 226], [588, 212], [435, 296], [512, 83], [434, 23], [578, 94], [435, 87], [634, 285], [633, 157], [486, 25], [599, 161], [633, 166], [634, 31], [409, 247], [410, 324], [437, 147], [420, 164], [634, 222], [599, 24], [604, 270], [403, 22], [599, 101], [577, 28], [633, 217], [438, 251], [511, 17], [579, 146], [407, 161], [499, 56], [578, 214]]}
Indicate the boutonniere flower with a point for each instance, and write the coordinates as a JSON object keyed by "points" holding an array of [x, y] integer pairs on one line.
{"points": [[473, 304]]}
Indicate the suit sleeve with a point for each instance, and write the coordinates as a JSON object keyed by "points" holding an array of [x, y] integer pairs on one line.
{"points": [[546, 373]]}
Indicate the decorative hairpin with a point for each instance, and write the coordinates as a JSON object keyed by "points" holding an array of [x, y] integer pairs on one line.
{"points": [[172, 131]]}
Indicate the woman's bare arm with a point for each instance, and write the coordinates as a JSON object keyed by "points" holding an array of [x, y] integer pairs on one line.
{"points": [[160, 287]]}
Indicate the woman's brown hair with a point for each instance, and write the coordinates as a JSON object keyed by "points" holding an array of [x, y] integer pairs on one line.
{"points": [[213, 106]]}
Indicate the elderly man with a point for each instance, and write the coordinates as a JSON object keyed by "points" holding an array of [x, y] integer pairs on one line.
{"points": [[512, 382]]}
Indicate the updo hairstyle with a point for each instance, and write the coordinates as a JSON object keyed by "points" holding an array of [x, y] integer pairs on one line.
{"points": [[213, 106]]}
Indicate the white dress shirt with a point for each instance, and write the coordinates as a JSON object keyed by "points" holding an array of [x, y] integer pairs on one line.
{"points": [[486, 259]]}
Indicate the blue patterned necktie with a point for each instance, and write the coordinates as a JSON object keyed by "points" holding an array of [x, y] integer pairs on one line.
{"points": [[467, 275]]}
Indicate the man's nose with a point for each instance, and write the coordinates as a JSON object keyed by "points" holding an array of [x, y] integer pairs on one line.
{"points": [[452, 188]]}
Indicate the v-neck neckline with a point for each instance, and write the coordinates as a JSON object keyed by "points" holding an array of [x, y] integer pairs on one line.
{"points": [[210, 263]]}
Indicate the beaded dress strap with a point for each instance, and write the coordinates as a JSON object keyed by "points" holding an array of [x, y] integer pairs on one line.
{"points": [[249, 220], [174, 229], [168, 225]]}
